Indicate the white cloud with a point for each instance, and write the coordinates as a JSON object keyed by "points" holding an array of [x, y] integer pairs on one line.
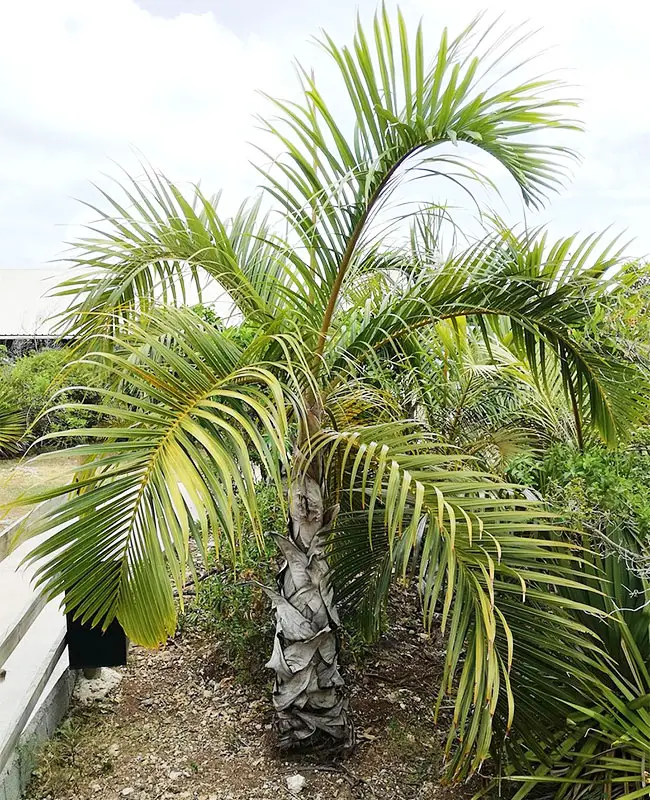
{"points": [[84, 82]]}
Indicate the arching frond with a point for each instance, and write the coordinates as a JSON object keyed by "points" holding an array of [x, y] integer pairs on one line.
{"points": [[157, 245], [176, 464], [542, 296], [479, 550], [332, 182], [595, 736]]}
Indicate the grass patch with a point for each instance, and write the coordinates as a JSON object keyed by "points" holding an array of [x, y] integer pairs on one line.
{"points": [[58, 769], [18, 476]]}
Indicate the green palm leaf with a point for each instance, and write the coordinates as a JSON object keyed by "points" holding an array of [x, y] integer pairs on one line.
{"points": [[542, 296], [332, 185], [166, 249], [176, 464], [479, 550], [12, 429]]}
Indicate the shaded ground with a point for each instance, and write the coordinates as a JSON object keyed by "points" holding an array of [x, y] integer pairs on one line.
{"points": [[20, 475], [182, 726]]}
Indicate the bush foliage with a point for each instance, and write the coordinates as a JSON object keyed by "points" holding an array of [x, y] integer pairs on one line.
{"points": [[230, 604], [33, 382]]}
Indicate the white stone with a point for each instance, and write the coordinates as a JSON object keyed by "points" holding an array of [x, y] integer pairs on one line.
{"points": [[296, 783], [88, 691]]}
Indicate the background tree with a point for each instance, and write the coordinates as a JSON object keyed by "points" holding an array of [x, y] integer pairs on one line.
{"points": [[29, 382]]}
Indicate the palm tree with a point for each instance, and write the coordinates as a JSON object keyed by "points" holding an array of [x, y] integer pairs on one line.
{"points": [[327, 304]]}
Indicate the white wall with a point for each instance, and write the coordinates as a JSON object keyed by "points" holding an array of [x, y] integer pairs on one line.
{"points": [[24, 306]]}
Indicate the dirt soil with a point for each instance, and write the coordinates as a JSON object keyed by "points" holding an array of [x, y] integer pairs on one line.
{"points": [[181, 726], [20, 475]]}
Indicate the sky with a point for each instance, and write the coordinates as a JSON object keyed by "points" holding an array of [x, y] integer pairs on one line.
{"points": [[87, 85]]}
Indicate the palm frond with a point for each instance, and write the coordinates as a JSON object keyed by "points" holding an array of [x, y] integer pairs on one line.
{"points": [[601, 731], [479, 550], [542, 296], [157, 245], [176, 464], [13, 424], [332, 185]]}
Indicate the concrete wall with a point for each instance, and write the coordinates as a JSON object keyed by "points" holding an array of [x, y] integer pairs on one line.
{"points": [[41, 726]]}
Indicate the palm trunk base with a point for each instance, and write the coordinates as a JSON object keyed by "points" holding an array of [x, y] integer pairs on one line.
{"points": [[299, 736], [311, 707]]}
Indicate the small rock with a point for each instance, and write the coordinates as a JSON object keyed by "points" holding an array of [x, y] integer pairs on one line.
{"points": [[147, 702], [174, 776], [126, 792], [89, 690], [296, 783]]}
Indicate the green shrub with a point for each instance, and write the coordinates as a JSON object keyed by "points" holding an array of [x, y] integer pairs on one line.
{"points": [[30, 383], [233, 609], [230, 603], [607, 490]]}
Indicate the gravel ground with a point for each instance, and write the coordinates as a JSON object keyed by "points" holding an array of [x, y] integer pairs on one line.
{"points": [[180, 725]]}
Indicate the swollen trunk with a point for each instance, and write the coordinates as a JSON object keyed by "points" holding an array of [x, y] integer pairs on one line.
{"points": [[308, 694]]}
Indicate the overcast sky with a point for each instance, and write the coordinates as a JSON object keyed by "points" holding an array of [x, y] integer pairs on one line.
{"points": [[85, 83]]}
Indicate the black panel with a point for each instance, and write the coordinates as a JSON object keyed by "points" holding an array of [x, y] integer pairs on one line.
{"points": [[90, 647]]}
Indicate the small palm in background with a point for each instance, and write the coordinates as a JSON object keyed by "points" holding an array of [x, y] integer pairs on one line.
{"points": [[12, 429]]}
